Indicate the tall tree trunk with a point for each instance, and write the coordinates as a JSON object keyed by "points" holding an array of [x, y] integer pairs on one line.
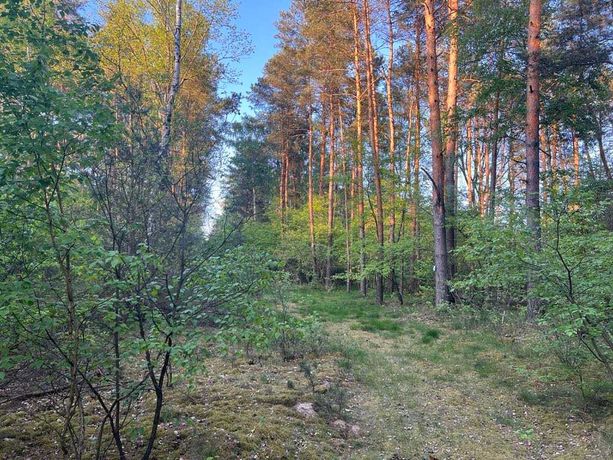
{"points": [[331, 191], [407, 187], [310, 197], [416, 193], [452, 135], [346, 204], [469, 163], [494, 166], [532, 142], [576, 159], [391, 122], [359, 146], [392, 148], [374, 136], [322, 151], [485, 182], [174, 84], [548, 166], [281, 188], [441, 288], [555, 158]]}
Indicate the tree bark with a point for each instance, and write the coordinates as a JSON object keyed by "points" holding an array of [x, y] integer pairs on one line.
{"points": [[469, 163], [494, 166], [416, 193], [359, 146], [532, 142], [452, 135], [175, 83], [391, 122], [441, 278], [331, 191], [346, 203], [601, 151], [310, 197], [374, 137], [576, 159]]}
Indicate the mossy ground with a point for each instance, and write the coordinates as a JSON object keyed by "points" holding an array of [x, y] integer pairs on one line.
{"points": [[416, 386]]}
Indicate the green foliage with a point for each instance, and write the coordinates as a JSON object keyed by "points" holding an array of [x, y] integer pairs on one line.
{"points": [[573, 271], [576, 272], [255, 327], [493, 255]]}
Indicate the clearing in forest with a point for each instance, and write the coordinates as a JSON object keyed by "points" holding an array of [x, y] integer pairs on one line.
{"points": [[389, 383]]}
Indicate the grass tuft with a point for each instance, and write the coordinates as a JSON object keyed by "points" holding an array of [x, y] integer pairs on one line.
{"points": [[430, 335]]}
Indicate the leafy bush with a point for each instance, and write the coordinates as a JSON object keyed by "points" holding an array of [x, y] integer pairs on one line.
{"points": [[256, 327]]}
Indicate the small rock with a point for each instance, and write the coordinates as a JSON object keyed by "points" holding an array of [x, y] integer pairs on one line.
{"points": [[305, 409], [354, 430]]}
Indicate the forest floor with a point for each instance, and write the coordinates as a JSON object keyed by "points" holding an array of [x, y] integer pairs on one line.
{"points": [[392, 383]]}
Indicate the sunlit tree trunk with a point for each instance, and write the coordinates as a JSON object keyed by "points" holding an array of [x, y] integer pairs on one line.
{"points": [[576, 159], [532, 141], [391, 122], [451, 135], [322, 151], [590, 165], [359, 145], [346, 204], [310, 197], [416, 193], [374, 136], [555, 157], [407, 186], [331, 191], [441, 288]]}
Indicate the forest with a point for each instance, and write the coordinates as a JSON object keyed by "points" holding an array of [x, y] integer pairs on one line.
{"points": [[396, 244]]}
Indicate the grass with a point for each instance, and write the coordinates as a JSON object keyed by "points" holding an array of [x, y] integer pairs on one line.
{"points": [[394, 328], [430, 335], [429, 383], [336, 305], [414, 384], [339, 306]]}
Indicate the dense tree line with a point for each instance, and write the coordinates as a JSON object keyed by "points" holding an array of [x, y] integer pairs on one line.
{"points": [[499, 110]]}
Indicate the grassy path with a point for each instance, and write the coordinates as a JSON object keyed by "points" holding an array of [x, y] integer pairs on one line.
{"points": [[451, 392], [411, 385]]}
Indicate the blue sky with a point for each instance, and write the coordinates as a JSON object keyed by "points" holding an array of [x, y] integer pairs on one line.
{"points": [[257, 18]]}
